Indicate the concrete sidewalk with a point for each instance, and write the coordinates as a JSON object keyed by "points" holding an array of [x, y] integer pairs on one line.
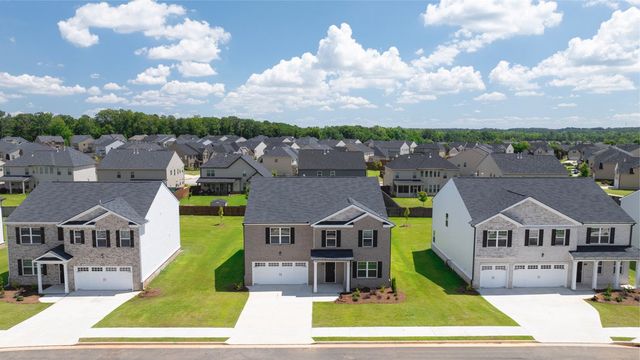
{"points": [[419, 331]]}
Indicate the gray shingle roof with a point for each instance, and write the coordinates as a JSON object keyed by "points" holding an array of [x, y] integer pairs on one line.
{"points": [[60, 201], [309, 199], [68, 157], [79, 138], [136, 159], [321, 159], [579, 198], [525, 164], [281, 151], [223, 161], [420, 161], [49, 138]]}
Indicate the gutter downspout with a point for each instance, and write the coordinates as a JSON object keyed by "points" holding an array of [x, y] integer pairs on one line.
{"points": [[473, 260]]}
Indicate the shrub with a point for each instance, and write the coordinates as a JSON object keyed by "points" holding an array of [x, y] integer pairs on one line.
{"points": [[619, 298], [394, 288], [19, 298], [238, 286], [607, 297], [594, 298], [383, 289], [608, 291]]}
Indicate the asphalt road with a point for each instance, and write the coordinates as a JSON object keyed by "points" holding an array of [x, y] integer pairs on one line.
{"points": [[334, 353]]}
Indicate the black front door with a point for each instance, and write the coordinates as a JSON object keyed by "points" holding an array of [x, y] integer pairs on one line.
{"points": [[579, 272], [330, 272], [61, 267]]}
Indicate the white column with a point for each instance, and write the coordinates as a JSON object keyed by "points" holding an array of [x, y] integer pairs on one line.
{"points": [[23, 191], [574, 274], [315, 276], [637, 274], [616, 274], [347, 265], [66, 278], [39, 278], [594, 275]]}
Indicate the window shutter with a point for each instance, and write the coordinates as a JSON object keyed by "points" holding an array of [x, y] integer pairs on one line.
{"points": [[359, 238], [553, 237], [567, 237], [108, 238], [541, 237], [131, 236], [588, 241], [509, 237], [19, 266], [18, 237], [338, 237], [526, 237], [117, 238], [82, 236], [379, 269], [484, 238], [612, 235], [41, 235], [354, 269], [43, 269], [323, 242], [71, 239], [267, 237], [60, 234], [93, 235], [293, 235], [375, 238]]}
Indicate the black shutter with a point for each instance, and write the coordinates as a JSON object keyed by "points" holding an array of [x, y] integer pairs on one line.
{"points": [[526, 237], [18, 236], [267, 236], [567, 237], [71, 239], [108, 238], [588, 241], [375, 238], [612, 235], [379, 269], [131, 236], [41, 235], [354, 269], [338, 237], [509, 237], [484, 238], [19, 266], [117, 238], [60, 234], [82, 236], [323, 242], [359, 238], [541, 237], [43, 269], [93, 235], [293, 235], [553, 237]]}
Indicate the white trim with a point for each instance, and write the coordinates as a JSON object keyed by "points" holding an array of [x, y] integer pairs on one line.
{"points": [[388, 223], [97, 218], [575, 222], [352, 206], [502, 216]]}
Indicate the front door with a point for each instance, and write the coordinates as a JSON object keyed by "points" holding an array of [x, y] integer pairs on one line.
{"points": [[579, 272], [61, 268], [330, 272]]}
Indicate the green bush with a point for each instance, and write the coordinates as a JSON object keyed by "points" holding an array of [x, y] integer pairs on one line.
{"points": [[394, 287]]}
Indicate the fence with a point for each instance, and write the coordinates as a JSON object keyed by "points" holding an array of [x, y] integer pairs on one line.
{"points": [[413, 212], [212, 210]]}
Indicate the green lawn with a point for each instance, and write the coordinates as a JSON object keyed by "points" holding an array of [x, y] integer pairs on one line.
{"points": [[205, 200], [431, 288], [196, 288], [425, 338], [12, 314], [192, 172], [613, 315], [13, 199], [413, 202], [618, 192], [373, 173]]}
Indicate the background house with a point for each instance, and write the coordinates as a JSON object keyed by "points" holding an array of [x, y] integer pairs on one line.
{"points": [[141, 165], [224, 174], [281, 161], [330, 163], [506, 165], [407, 175], [82, 143]]}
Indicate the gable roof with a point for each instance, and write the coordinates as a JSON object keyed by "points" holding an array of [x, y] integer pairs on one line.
{"points": [[60, 201], [136, 159], [223, 161], [75, 139], [49, 138], [281, 151], [578, 198], [523, 164], [420, 161], [322, 159], [68, 157], [306, 200]]}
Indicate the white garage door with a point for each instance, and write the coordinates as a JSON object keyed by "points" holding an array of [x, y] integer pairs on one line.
{"points": [[539, 275], [493, 276], [103, 278], [280, 272]]}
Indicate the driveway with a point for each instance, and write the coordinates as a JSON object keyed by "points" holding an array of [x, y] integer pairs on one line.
{"points": [[65, 321], [551, 315]]}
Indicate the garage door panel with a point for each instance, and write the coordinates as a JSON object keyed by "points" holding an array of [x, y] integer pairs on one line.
{"points": [[280, 272], [493, 276], [103, 278], [540, 275]]}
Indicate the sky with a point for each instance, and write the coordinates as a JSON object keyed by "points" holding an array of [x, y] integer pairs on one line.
{"points": [[438, 64]]}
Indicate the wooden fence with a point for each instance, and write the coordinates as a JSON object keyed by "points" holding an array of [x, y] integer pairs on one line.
{"points": [[212, 210], [413, 212]]}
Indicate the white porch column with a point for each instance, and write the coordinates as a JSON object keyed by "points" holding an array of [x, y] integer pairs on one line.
{"points": [[347, 264], [315, 276], [23, 191], [66, 278], [616, 274], [574, 274], [637, 274], [39, 278], [594, 275], [10, 187]]}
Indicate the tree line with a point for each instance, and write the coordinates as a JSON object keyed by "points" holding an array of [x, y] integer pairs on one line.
{"points": [[129, 123]]}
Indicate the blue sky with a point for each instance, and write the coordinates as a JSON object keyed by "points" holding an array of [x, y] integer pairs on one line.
{"points": [[453, 63]]}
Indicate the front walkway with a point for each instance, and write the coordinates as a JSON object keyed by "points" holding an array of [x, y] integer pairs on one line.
{"points": [[64, 322], [551, 315]]}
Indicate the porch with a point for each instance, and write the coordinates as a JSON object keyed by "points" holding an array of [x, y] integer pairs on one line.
{"points": [[56, 256], [331, 260], [596, 258], [218, 186], [18, 182], [407, 188]]}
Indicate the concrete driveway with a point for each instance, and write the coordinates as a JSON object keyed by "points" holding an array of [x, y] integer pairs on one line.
{"points": [[551, 315], [65, 321]]}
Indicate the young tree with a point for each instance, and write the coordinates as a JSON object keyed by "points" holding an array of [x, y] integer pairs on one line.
{"points": [[584, 170], [406, 214], [221, 213], [423, 197]]}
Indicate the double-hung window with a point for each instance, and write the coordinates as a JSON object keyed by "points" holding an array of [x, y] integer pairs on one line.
{"points": [[125, 238], [101, 238], [497, 238], [77, 237], [534, 237], [31, 235], [318, 173], [367, 238], [280, 235], [211, 172], [367, 269], [332, 173], [29, 267], [599, 235], [558, 239], [332, 238]]}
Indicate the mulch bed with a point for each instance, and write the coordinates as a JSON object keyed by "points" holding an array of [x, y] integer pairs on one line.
{"points": [[628, 297], [374, 296], [28, 297], [150, 293]]}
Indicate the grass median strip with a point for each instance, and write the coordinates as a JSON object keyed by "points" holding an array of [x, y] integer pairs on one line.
{"points": [[146, 339], [423, 338], [613, 315], [621, 338]]}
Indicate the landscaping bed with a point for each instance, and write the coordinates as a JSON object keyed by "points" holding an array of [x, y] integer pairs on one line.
{"points": [[20, 296], [371, 296], [618, 297]]}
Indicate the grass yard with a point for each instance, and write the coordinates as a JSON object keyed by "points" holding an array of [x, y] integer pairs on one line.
{"points": [[373, 173], [151, 340], [13, 199], [205, 200], [195, 290], [431, 288], [12, 314], [413, 202], [192, 172], [618, 192], [425, 338], [613, 315]]}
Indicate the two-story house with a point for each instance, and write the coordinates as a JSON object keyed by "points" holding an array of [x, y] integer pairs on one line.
{"points": [[224, 174], [331, 231], [409, 174], [53, 141], [105, 143], [509, 165], [26, 172], [468, 160], [533, 232], [70, 236], [142, 165], [331, 163], [627, 174], [281, 160], [82, 143]]}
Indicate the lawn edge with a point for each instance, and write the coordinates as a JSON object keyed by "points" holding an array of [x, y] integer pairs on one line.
{"points": [[425, 339], [150, 340]]}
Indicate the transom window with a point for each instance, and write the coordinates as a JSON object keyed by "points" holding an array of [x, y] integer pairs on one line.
{"points": [[599, 267], [497, 238], [599, 235], [31, 235], [367, 269], [367, 238], [559, 238], [125, 238], [534, 237], [28, 267], [101, 238], [331, 238], [280, 235]]}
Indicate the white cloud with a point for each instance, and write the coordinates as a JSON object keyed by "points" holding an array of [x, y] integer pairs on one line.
{"points": [[111, 86], [153, 76], [528, 93], [195, 69], [94, 90], [40, 85], [93, 76], [106, 99], [492, 96], [567, 105], [427, 85], [516, 77], [443, 55], [193, 89]]}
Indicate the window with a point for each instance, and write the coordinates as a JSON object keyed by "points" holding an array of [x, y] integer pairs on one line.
{"points": [[69, 172], [518, 267], [332, 173], [287, 264], [545, 267], [487, 267], [211, 172], [446, 220], [367, 238], [367, 269], [28, 267], [82, 269], [318, 173], [559, 238], [280, 235], [31, 235], [301, 264], [619, 268], [96, 269], [111, 269], [132, 175], [59, 172], [497, 238], [77, 237], [534, 237], [599, 267], [125, 269], [558, 267], [532, 267], [259, 264], [599, 235], [274, 264], [118, 175], [501, 267], [101, 238], [332, 238], [125, 238]]}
